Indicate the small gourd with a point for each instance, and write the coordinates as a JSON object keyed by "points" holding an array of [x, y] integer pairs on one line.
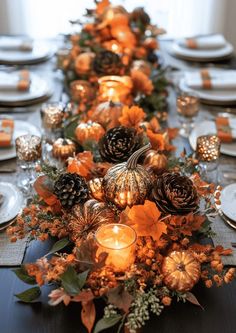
{"points": [[89, 131], [128, 183], [63, 148], [107, 114]]}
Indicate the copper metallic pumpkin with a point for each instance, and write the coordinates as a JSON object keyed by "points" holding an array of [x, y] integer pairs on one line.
{"points": [[128, 183], [181, 271], [89, 131], [156, 161], [85, 219], [107, 114], [63, 148], [96, 188]]}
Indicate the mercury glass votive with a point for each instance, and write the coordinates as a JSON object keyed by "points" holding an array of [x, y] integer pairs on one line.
{"points": [[208, 153], [28, 152], [118, 241], [82, 93], [187, 110]]}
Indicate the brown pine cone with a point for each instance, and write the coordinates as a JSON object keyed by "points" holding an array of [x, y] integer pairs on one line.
{"points": [[139, 15], [107, 63], [175, 194], [119, 143]]}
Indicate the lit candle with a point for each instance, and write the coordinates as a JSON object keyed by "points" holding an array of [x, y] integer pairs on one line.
{"points": [[118, 241], [115, 88]]}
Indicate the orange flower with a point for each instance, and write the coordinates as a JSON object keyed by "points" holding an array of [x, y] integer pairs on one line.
{"points": [[157, 140], [132, 116], [101, 6], [142, 84]]}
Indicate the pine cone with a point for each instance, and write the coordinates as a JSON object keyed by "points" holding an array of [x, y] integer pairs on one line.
{"points": [[107, 63], [71, 189], [175, 194], [139, 15], [119, 143]]}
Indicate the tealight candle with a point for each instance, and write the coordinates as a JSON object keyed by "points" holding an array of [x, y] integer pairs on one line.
{"points": [[118, 241], [115, 88]]}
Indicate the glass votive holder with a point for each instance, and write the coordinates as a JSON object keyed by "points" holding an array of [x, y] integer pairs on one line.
{"points": [[82, 93], [118, 241], [187, 109], [28, 152], [52, 117], [208, 153]]}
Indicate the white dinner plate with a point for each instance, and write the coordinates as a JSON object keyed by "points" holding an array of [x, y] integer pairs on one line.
{"points": [[20, 128], [41, 51], [202, 55], [12, 202], [214, 96], [208, 127], [39, 88], [228, 201]]}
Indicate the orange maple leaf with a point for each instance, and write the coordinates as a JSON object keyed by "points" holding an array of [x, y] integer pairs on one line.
{"points": [[132, 116], [157, 140], [141, 82], [101, 6], [145, 220], [81, 164]]}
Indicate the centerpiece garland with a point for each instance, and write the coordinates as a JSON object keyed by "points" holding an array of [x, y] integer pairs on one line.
{"points": [[123, 175]]}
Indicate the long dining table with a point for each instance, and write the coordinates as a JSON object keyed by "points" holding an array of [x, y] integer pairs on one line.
{"points": [[218, 304]]}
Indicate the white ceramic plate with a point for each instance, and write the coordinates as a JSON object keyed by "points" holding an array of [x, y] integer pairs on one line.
{"points": [[12, 202], [212, 96], [21, 128], [202, 55], [208, 127], [41, 51], [38, 88], [228, 201]]}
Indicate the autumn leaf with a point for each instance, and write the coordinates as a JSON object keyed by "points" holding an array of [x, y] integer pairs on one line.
{"points": [[192, 299], [120, 298], [141, 82], [172, 132], [186, 224], [81, 164], [83, 296], [154, 125], [145, 220], [43, 188], [157, 140], [88, 315], [131, 116], [101, 6]]}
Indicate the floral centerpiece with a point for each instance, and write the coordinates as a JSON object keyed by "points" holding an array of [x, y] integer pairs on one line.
{"points": [[115, 44], [127, 216]]}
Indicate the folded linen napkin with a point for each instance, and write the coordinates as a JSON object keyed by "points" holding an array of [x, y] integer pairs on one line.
{"points": [[206, 79], [15, 44], [19, 81], [6, 132], [204, 42], [226, 129]]}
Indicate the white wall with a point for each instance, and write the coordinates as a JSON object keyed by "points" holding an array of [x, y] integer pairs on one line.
{"points": [[230, 21]]}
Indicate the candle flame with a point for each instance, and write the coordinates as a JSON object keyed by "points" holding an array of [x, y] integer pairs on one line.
{"points": [[115, 229]]}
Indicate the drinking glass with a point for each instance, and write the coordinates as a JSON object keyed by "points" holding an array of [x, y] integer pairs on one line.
{"points": [[187, 109]]}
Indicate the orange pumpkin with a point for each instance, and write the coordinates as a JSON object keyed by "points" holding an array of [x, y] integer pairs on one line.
{"points": [[156, 161], [107, 114], [83, 63], [89, 131], [63, 148], [181, 271]]}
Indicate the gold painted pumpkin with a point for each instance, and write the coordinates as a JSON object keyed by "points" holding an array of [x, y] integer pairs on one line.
{"points": [[142, 66], [156, 161], [89, 131], [84, 219], [181, 271], [83, 63], [96, 188], [63, 148], [128, 183], [107, 114]]}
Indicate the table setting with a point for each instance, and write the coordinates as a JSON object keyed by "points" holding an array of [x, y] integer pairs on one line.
{"points": [[117, 178]]}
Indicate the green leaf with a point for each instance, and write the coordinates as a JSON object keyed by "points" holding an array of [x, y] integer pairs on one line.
{"points": [[69, 280], [105, 323], [59, 245], [82, 277], [22, 274], [29, 295]]}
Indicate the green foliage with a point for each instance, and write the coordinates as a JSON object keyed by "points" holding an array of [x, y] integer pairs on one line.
{"points": [[22, 274], [59, 245], [73, 282], [29, 295]]}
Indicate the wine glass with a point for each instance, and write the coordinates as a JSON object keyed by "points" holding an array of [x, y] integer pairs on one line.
{"points": [[187, 109]]}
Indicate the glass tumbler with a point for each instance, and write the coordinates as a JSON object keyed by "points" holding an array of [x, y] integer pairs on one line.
{"points": [[187, 110]]}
